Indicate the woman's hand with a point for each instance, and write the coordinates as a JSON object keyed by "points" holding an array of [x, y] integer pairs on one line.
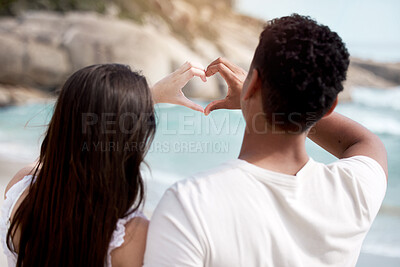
{"points": [[234, 77], [169, 89]]}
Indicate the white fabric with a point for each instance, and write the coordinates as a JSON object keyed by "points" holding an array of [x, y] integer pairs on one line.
{"points": [[117, 238], [244, 215], [12, 196]]}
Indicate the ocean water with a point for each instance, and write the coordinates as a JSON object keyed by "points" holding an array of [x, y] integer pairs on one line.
{"points": [[188, 142]]}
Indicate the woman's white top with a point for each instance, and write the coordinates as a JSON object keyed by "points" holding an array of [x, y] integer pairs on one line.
{"points": [[12, 196]]}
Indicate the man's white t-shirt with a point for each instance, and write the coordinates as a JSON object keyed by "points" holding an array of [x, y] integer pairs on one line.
{"points": [[243, 215]]}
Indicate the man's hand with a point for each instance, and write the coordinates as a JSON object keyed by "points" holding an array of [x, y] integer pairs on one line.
{"points": [[169, 89], [234, 77]]}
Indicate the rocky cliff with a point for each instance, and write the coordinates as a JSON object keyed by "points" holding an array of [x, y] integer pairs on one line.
{"points": [[41, 48]]}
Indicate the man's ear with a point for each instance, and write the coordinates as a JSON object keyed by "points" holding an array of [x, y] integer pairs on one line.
{"points": [[254, 84], [332, 108]]}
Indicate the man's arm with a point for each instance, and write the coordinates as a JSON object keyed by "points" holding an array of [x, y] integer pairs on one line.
{"points": [[345, 138]]}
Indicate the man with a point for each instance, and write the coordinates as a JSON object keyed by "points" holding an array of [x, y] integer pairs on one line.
{"points": [[275, 206]]}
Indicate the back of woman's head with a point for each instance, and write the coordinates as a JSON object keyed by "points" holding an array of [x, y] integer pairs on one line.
{"points": [[88, 172]]}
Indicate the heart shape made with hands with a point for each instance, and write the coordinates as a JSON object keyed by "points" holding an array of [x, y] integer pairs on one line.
{"points": [[169, 89], [234, 76]]}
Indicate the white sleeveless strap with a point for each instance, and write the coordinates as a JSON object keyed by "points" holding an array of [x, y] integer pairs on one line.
{"points": [[118, 235], [12, 196]]}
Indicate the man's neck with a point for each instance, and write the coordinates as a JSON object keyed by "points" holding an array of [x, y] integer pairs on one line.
{"points": [[279, 152]]}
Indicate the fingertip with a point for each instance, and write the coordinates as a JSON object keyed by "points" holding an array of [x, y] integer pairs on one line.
{"points": [[198, 108], [207, 111]]}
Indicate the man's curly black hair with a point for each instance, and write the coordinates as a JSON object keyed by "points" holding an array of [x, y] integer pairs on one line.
{"points": [[302, 65]]}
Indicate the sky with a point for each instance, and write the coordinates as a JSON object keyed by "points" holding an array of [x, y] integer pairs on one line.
{"points": [[370, 28]]}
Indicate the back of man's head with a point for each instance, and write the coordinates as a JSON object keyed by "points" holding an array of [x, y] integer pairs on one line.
{"points": [[302, 65]]}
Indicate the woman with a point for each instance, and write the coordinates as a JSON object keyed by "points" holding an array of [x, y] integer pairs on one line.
{"points": [[79, 205]]}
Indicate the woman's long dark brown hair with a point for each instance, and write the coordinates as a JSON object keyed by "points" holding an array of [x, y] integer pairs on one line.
{"points": [[88, 173]]}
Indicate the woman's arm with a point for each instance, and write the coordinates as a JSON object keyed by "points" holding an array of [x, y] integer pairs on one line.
{"points": [[28, 170], [131, 253], [169, 89]]}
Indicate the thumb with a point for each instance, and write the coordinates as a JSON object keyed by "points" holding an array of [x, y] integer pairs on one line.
{"points": [[217, 104], [183, 101]]}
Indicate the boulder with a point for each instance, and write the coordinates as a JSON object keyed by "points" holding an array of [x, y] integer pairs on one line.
{"points": [[12, 57], [44, 48], [45, 66], [41, 49]]}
